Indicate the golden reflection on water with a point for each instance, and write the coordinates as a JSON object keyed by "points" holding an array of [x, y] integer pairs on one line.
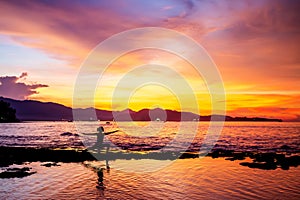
{"points": [[204, 178], [184, 179]]}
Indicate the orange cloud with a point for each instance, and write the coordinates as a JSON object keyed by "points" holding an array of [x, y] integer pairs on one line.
{"points": [[254, 44]]}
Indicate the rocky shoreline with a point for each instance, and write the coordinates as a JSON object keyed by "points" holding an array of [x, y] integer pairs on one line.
{"points": [[20, 155]]}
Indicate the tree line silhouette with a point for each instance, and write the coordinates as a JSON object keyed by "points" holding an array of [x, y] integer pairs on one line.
{"points": [[7, 113]]}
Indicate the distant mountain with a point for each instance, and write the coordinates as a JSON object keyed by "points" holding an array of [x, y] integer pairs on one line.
{"points": [[30, 110]]}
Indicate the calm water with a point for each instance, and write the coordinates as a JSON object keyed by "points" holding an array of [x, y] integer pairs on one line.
{"points": [[240, 136], [204, 178]]}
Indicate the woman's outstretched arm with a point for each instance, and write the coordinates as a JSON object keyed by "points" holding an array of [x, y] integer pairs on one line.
{"points": [[107, 133], [89, 133]]}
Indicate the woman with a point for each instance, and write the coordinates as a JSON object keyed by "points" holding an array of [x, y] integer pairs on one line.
{"points": [[100, 137]]}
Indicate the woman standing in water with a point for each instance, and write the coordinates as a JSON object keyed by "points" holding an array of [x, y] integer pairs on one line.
{"points": [[100, 137], [99, 143]]}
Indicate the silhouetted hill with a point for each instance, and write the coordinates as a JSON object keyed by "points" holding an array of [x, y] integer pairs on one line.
{"points": [[30, 110]]}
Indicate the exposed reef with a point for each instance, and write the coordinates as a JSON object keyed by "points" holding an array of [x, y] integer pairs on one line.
{"points": [[19, 155], [16, 172]]}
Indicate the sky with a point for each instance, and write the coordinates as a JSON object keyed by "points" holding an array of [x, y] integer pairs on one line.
{"points": [[254, 45]]}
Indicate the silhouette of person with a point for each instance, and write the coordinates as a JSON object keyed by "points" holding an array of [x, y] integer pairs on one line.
{"points": [[100, 137], [99, 143]]}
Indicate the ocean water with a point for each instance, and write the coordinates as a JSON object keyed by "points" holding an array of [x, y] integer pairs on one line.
{"points": [[199, 178], [238, 136], [204, 178]]}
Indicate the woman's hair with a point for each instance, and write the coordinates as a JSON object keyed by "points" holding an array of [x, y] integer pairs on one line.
{"points": [[100, 128]]}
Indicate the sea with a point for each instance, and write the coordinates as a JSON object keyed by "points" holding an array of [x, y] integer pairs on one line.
{"points": [[198, 178]]}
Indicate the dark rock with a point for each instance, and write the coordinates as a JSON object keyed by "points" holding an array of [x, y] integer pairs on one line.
{"points": [[221, 153], [66, 134], [285, 147], [69, 134], [272, 161], [186, 155], [293, 161], [215, 154], [50, 164], [265, 157], [19, 155], [4, 163], [265, 166], [230, 158], [280, 157], [16, 173], [245, 164], [285, 166], [24, 169], [237, 156]]}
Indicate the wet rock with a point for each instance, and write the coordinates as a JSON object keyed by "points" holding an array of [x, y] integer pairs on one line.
{"points": [[265, 166], [271, 161], [16, 172], [69, 134], [293, 161], [5, 163], [186, 155], [50, 164], [237, 156], [230, 158], [215, 154], [66, 134], [265, 157], [24, 169], [285, 166], [221, 153], [280, 157], [285, 147], [19, 155]]}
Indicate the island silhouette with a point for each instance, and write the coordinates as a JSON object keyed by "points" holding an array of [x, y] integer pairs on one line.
{"points": [[30, 110]]}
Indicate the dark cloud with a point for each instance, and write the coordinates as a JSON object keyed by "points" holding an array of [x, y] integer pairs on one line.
{"points": [[11, 87]]}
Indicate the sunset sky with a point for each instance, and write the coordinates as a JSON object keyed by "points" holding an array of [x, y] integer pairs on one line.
{"points": [[254, 44]]}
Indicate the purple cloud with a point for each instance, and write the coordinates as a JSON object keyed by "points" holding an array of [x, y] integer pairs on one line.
{"points": [[11, 87]]}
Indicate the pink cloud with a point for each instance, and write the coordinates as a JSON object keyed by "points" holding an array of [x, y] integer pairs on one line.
{"points": [[11, 87], [255, 44]]}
